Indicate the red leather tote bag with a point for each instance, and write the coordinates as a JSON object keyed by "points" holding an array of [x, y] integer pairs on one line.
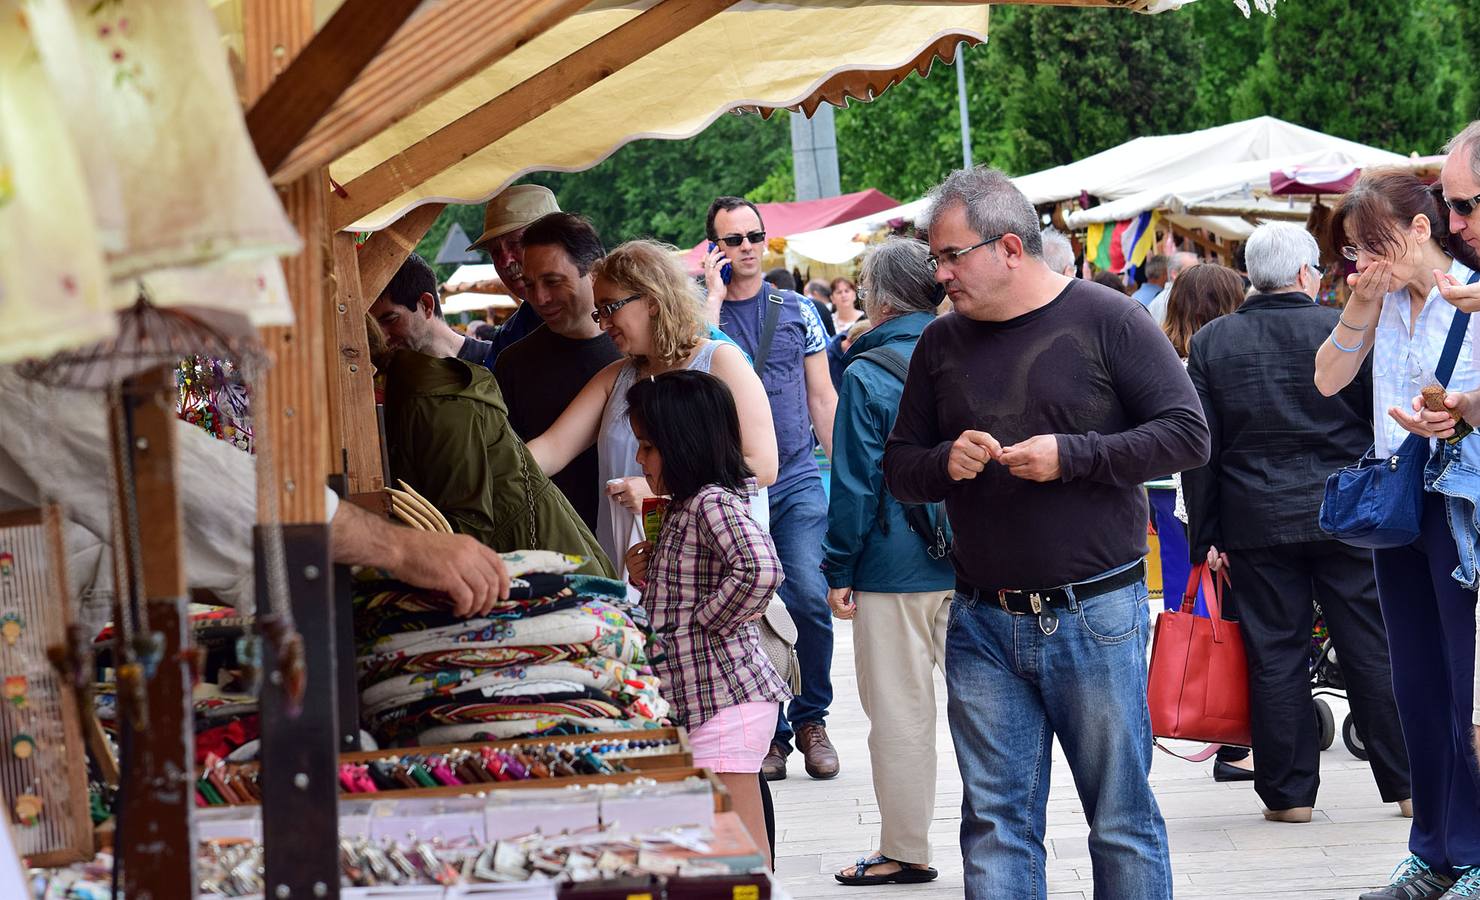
{"points": [[1198, 688]]}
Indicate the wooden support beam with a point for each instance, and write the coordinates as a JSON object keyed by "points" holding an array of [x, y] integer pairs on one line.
{"points": [[156, 843], [467, 39], [521, 104], [1267, 215], [383, 254], [320, 72], [352, 422]]}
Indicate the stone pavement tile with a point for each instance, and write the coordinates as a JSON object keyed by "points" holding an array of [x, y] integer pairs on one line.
{"points": [[1189, 864], [1269, 835]]}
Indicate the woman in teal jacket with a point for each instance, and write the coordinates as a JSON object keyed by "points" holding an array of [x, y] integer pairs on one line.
{"points": [[887, 567]]}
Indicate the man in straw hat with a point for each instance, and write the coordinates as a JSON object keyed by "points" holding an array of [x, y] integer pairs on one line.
{"points": [[504, 220]]}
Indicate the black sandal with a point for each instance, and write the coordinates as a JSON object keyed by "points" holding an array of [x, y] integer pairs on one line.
{"points": [[907, 873]]}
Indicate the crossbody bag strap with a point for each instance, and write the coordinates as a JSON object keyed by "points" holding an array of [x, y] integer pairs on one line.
{"points": [[768, 326], [1452, 343]]}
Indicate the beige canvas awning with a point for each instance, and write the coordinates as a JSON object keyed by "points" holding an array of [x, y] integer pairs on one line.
{"points": [[472, 140]]}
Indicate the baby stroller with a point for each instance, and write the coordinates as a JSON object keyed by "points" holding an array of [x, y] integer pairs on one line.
{"points": [[1325, 679]]}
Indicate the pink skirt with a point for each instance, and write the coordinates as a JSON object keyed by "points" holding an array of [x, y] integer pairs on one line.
{"points": [[736, 739]]}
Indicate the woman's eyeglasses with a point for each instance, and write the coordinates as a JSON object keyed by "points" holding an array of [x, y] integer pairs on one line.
{"points": [[735, 240], [1350, 251], [606, 311]]}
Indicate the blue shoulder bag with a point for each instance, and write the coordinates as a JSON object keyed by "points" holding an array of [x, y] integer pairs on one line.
{"points": [[1377, 503]]}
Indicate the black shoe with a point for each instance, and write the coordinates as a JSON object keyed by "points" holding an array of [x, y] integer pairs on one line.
{"points": [[1412, 880], [1223, 771]]}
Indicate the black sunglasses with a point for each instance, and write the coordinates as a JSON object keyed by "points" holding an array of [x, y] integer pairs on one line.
{"points": [[1465, 206], [606, 311], [734, 240]]}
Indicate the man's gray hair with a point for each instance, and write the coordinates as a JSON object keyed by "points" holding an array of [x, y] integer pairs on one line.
{"points": [[1180, 262], [897, 279], [1469, 141], [993, 205], [1058, 253], [1276, 251]]}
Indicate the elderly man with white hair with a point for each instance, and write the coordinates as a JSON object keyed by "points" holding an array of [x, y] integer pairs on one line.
{"points": [[1255, 508], [1058, 253]]}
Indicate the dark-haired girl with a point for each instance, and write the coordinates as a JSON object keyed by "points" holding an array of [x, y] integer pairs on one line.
{"points": [[707, 579], [1393, 227]]}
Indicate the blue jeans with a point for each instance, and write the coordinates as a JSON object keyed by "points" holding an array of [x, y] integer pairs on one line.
{"points": [[1012, 689], [798, 523]]}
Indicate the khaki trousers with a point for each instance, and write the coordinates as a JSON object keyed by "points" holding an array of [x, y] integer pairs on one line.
{"points": [[898, 640]]}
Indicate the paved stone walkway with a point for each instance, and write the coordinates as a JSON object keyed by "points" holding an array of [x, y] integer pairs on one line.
{"points": [[1221, 845]]}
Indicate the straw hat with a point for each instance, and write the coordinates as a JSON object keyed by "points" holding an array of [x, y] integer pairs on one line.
{"points": [[514, 209]]}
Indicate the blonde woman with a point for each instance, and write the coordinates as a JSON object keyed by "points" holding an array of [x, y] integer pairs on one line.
{"points": [[647, 305]]}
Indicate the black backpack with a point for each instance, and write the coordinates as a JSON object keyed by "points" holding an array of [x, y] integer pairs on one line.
{"points": [[928, 520]]}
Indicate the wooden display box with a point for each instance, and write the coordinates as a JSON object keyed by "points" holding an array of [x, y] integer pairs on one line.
{"points": [[684, 757], [660, 767]]}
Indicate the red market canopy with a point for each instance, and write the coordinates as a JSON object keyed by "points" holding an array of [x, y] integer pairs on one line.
{"points": [[1305, 180]]}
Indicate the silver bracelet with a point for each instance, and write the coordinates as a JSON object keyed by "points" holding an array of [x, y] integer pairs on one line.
{"points": [[1361, 342], [1342, 321]]}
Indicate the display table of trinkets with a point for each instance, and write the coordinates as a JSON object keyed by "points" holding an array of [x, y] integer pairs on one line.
{"points": [[657, 754], [660, 839]]}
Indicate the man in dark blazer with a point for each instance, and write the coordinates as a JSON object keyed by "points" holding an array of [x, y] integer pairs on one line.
{"points": [[1254, 508]]}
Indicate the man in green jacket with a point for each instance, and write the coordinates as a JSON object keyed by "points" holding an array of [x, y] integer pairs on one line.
{"points": [[447, 432]]}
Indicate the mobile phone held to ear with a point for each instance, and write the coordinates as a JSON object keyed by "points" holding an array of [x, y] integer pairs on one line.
{"points": [[725, 270]]}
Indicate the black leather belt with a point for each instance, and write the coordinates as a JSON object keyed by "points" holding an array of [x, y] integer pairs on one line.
{"points": [[1032, 603]]}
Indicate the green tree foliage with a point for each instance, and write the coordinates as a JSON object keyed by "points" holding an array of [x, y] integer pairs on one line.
{"points": [[662, 189], [1364, 71], [1077, 81]]}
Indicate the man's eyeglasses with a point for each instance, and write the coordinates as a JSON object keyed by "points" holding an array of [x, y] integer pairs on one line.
{"points": [[951, 257], [1465, 206], [606, 311], [734, 240]]}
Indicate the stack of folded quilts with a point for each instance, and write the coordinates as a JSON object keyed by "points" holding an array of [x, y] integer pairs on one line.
{"points": [[566, 654]]}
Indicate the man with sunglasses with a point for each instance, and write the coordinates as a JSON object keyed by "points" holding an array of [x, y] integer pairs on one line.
{"points": [[792, 364], [541, 374], [1036, 411]]}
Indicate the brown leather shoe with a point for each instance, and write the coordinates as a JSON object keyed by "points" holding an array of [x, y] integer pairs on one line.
{"points": [[773, 767], [818, 751]]}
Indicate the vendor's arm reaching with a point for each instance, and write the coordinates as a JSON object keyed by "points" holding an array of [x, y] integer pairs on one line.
{"points": [[470, 573]]}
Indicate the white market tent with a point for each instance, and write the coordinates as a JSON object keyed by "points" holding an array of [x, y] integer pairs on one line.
{"points": [[1217, 171], [474, 301]]}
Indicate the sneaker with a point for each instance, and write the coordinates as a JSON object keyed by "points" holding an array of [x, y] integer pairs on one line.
{"points": [[773, 767], [1412, 880], [1467, 887]]}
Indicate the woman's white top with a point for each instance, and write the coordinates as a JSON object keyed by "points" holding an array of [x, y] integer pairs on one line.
{"points": [[1405, 358]]}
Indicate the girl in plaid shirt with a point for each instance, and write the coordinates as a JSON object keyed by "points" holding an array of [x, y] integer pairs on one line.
{"points": [[707, 579]]}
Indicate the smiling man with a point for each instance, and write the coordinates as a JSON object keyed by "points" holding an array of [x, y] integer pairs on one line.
{"points": [[540, 374], [1036, 410]]}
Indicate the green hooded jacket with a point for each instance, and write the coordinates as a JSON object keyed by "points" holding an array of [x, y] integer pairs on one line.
{"points": [[447, 432]]}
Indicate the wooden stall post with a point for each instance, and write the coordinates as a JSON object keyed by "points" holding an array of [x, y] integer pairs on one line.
{"points": [[300, 810], [157, 840]]}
